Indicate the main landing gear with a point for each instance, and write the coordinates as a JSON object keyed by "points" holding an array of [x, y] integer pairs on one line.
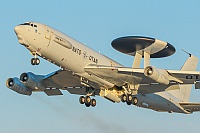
{"points": [[129, 99], [87, 101], [35, 61]]}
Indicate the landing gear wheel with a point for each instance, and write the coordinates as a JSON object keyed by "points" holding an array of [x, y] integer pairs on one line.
{"points": [[128, 103], [82, 99], [87, 101], [129, 99], [123, 98], [135, 100], [87, 105], [35, 61], [93, 103]]}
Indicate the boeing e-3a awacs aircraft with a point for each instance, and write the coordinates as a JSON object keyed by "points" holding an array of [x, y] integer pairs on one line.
{"points": [[88, 73]]}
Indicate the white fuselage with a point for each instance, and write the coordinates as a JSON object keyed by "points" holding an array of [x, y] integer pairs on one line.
{"points": [[50, 44], [44, 41], [70, 54]]}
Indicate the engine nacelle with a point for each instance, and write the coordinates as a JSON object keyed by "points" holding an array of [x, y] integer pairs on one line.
{"points": [[159, 75], [16, 85], [32, 81]]}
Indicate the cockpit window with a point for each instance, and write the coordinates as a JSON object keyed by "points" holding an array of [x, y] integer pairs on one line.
{"points": [[30, 24], [25, 24]]}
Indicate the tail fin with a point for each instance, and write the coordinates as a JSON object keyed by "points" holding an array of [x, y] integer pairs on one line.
{"points": [[184, 92], [190, 64]]}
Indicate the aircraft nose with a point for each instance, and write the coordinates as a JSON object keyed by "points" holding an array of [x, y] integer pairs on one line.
{"points": [[19, 32], [17, 29]]}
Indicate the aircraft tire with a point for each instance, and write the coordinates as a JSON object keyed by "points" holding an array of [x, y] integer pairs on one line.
{"points": [[135, 101], [37, 61], [33, 61], [128, 103], [93, 103], [87, 105], [87, 100], [129, 98], [123, 98], [82, 99]]}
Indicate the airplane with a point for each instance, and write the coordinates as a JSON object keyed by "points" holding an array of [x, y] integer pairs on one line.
{"points": [[86, 72]]}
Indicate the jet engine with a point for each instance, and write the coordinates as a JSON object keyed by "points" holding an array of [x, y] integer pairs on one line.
{"points": [[32, 81], [159, 75], [16, 85]]}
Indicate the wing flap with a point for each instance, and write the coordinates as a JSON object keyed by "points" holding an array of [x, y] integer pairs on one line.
{"points": [[53, 92], [83, 91]]}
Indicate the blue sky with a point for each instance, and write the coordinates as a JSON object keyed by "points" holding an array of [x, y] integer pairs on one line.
{"points": [[96, 24]]}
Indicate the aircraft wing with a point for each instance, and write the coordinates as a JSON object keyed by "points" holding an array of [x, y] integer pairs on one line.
{"points": [[65, 80], [52, 83], [121, 76], [190, 107], [187, 77], [61, 79]]}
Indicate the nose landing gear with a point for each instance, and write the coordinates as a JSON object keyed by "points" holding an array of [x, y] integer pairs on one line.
{"points": [[87, 101], [35, 61]]}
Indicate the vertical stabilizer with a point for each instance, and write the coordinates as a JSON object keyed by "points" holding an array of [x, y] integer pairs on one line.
{"points": [[184, 92], [190, 64]]}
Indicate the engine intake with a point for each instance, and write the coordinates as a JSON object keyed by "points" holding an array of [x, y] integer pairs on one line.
{"points": [[158, 75], [16, 85], [32, 81]]}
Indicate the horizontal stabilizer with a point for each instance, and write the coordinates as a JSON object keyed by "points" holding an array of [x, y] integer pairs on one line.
{"points": [[53, 92]]}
